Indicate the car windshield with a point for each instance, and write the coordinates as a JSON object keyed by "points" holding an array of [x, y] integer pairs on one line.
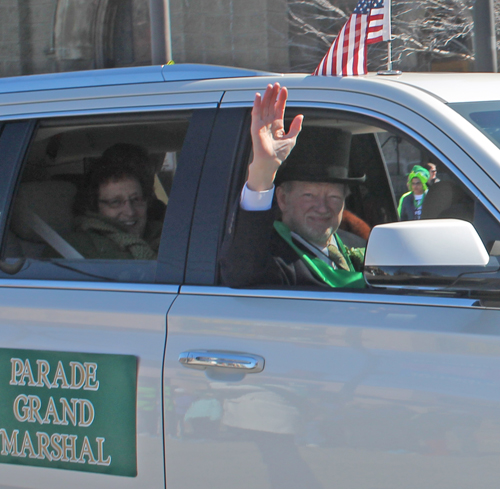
{"points": [[484, 115]]}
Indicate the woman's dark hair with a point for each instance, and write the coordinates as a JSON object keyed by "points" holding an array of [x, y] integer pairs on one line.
{"points": [[104, 171], [127, 154]]}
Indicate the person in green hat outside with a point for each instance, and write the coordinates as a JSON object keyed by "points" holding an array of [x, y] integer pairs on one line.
{"points": [[410, 204]]}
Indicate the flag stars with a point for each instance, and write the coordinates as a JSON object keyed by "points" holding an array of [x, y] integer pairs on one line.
{"points": [[364, 6]]}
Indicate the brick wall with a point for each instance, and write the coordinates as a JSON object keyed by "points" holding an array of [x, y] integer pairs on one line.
{"points": [[10, 54], [41, 20], [250, 34], [43, 36]]}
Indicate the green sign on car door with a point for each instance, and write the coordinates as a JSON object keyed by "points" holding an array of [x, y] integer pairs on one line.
{"points": [[74, 411]]}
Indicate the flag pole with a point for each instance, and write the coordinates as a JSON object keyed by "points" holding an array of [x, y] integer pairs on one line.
{"points": [[388, 36], [389, 55], [389, 70]]}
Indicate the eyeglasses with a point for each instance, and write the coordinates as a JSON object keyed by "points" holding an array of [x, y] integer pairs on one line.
{"points": [[135, 202]]}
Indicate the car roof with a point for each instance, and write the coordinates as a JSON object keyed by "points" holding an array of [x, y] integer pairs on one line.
{"points": [[449, 87], [192, 78], [454, 87], [122, 76]]}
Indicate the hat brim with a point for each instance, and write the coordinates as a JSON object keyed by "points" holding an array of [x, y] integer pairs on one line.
{"points": [[299, 178]]}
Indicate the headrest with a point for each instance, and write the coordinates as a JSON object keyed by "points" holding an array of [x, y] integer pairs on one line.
{"points": [[447, 200], [50, 200]]}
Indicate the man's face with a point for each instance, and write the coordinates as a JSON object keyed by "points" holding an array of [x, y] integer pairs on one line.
{"points": [[432, 171], [312, 210]]}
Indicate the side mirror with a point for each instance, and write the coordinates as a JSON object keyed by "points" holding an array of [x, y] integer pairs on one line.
{"points": [[425, 254]]}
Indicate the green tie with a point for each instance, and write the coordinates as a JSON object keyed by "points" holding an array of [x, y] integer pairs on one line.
{"points": [[336, 256]]}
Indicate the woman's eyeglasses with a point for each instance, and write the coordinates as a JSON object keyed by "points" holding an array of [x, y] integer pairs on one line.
{"points": [[135, 202]]}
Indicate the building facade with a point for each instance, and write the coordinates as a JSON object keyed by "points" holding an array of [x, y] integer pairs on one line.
{"points": [[45, 36]]}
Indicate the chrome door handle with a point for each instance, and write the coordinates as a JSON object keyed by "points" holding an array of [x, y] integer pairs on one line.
{"points": [[202, 359]]}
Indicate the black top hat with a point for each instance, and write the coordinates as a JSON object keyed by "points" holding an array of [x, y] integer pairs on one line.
{"points": [[320, 155]]}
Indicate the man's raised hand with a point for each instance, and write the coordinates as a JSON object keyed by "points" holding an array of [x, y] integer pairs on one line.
{"points": [[271, 145]]}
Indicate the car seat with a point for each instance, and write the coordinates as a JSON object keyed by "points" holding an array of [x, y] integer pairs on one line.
{"points": [[42, 212], [446, 199]]}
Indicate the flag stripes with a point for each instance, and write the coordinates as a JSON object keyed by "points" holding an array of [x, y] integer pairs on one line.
{"points": [[369, 24]]}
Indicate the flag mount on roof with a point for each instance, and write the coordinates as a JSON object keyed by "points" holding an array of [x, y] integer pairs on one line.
{"points": [[369, 23]]}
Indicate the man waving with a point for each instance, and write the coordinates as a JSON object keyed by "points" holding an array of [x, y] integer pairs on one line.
{"points": [[311, 184]]}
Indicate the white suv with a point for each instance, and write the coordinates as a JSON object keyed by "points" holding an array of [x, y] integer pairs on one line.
{"points": [[147, 373]]}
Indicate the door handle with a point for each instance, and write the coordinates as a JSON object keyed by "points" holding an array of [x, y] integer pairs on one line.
{"points": [[202, 359]]}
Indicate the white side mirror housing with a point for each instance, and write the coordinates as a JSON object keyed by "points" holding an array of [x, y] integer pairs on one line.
{"points": [[427, 253], [433, 242]]}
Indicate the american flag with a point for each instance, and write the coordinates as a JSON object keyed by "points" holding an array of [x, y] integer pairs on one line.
{"points": [[369, 23]]}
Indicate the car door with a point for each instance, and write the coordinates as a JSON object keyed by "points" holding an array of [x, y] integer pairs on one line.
{"points": [[376, 388], [82, 340]]}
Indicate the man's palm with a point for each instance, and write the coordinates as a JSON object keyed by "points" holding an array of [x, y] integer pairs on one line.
{"points": [[270, 142]]}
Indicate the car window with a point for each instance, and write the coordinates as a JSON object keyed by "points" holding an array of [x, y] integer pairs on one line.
{"points": [[444, 195], [92, 196], [387, 157], [483, 115]]}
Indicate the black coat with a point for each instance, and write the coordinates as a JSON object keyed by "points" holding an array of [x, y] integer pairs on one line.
{"points": [[407, 208], [254, 254]]}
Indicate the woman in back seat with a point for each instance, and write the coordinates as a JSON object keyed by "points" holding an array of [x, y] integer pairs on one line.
{"points": [[114, 224]]}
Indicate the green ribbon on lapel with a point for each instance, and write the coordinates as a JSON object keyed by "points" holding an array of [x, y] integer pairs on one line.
{"points": [[332, 277]]}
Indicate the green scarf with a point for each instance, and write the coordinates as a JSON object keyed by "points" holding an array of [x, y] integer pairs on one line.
{"points": [[111, 229], [329, 275]]}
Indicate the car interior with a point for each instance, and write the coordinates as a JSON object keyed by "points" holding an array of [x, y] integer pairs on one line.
{"points": [[58, 160], [45, 205], [386, 157]]}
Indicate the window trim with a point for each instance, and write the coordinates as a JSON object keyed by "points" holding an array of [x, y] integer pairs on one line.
{"points": [[229, 143], [15, 139], [167, 270], [173, 251], [201, 271]]}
